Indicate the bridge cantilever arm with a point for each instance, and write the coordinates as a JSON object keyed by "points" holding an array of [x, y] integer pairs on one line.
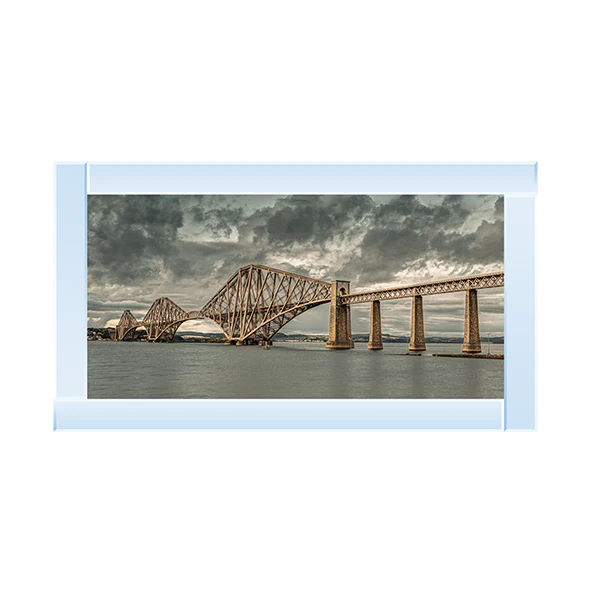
{"points": [[309, 304]]}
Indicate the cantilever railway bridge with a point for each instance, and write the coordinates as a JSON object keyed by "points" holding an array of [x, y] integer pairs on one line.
{"points": [[257, 301]]}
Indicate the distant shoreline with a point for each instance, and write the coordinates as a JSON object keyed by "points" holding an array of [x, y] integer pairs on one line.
{"points": [[110, 333]]}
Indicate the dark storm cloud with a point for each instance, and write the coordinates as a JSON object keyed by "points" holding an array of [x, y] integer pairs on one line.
{"points": [[219, 220], [310, 219], [141, 247], [132, 238], [408, 208], [486, 244]]}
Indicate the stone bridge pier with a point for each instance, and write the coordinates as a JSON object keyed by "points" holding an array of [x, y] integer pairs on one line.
{"points": [[472, 340], [375, 342], [417, 326], [340, 327]]}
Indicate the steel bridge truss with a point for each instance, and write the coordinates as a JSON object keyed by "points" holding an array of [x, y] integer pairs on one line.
{"points": [[440, 287], [257, 301], [253, 304], [126, 326]]}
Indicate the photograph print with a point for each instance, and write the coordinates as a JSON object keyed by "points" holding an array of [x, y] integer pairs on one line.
{"points": [[297, 297]]}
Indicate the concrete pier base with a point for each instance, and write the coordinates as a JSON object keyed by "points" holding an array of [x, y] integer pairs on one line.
{"points": [[472, 341], [375, 342], [340, 337], [417, 327]]}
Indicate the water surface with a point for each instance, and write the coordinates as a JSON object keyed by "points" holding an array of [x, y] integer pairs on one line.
{"points": [[288, 370]]}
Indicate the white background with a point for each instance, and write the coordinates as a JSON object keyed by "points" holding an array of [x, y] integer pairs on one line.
{"points": [[318, 513]]}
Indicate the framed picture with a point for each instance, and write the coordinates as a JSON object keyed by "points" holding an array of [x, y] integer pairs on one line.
{"points": [[295, 296]]}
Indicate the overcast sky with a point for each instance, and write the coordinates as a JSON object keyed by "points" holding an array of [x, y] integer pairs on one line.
{"points": [[186, 246]]}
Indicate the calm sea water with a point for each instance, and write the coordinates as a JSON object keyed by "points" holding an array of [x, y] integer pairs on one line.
{"points": [[288, 370]]}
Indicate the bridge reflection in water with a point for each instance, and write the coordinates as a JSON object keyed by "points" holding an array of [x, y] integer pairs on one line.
{"points": [[257, 301]]}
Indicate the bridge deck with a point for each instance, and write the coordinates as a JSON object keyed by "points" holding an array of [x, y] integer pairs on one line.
{"points": [[480, 281]]}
